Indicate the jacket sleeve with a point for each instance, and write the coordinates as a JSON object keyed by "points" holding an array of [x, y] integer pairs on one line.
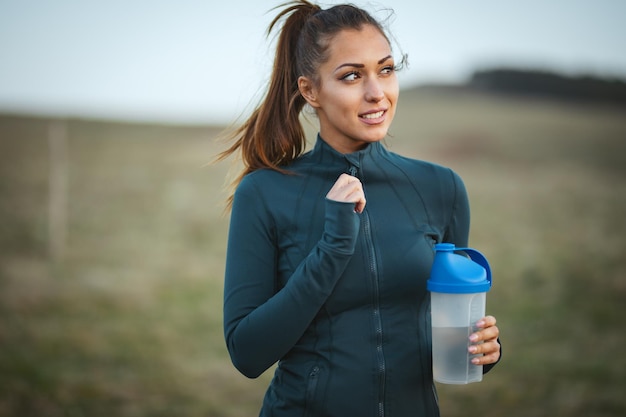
{"points": [[261, 324], [457, 230]]}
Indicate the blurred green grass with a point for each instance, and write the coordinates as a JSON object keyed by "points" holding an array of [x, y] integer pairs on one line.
{"points": [[128, 322]]}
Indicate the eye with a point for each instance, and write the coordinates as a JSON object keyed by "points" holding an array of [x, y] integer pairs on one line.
{"points": [[351, 76], [388, 69]]}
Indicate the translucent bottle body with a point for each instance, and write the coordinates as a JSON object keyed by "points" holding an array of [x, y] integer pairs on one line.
{"points": [[453, 320]]}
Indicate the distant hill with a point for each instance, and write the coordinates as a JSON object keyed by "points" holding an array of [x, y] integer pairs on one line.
{"points": [[544, 84]]}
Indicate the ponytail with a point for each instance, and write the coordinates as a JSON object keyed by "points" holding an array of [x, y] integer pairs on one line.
{"points": [[273, 136]]}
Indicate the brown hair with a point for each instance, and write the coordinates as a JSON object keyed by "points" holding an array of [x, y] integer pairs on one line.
{"points": [[273, 136]]}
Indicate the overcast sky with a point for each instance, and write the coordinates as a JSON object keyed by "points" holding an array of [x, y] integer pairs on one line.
{"points": [[202, 61]]}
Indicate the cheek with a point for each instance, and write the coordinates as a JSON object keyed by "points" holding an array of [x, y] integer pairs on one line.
{"points": [[392, 87], [393, 93], [392, 97], [342, 105]]}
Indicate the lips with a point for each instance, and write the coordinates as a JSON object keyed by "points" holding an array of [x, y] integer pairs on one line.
{"points": [[373, 117]]}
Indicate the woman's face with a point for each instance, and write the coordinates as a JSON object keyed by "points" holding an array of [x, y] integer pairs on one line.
{"points": [[357, 90]]}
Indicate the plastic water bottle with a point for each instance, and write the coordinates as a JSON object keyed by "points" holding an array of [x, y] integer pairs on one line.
{"points": [[458, 288]]}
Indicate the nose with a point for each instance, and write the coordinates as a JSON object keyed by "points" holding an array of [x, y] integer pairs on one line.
{"points": [[374, 91]]}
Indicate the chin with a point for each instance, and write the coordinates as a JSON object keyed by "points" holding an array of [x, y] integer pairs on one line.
{"points": [[376, 136]]}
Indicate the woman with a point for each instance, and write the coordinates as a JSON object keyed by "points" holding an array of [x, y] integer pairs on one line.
{"points": [[329, 251]]}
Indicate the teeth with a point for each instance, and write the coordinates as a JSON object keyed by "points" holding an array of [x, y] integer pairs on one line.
{"points": [[373, 115]]}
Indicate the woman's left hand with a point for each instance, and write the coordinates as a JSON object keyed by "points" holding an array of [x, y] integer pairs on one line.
{"points": [[490, 348]]}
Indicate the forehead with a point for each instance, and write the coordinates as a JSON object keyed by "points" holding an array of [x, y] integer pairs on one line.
{"points": [[358, 46]]}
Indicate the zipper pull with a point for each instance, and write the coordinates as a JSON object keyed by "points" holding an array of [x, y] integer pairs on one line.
{"points": [[352, 171]]}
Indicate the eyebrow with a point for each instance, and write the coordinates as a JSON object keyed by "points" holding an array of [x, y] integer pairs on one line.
{"points": [[348, 64]]}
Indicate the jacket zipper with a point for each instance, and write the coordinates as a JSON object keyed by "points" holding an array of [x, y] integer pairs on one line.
{"points": [[367, 232], [311, 389]]}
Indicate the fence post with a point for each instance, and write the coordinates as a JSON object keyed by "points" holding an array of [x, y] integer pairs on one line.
{"points": [[58, 189]]}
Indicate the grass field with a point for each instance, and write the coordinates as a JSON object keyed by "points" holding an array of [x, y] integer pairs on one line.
{"points": [[127, 320]]}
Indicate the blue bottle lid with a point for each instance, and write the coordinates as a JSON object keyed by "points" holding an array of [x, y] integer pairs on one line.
{"points": [[453, 273]]}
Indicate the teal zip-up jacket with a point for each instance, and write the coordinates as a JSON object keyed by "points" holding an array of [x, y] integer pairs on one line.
{"points": [[339, 298]]}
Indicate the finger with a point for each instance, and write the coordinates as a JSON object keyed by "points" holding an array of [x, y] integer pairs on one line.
{"points": [[358, 197], [360, 205], [344, 184], [486, 348], [351, 192], [353, 187], [348, 189], [487, 334], [346, 179], [486, 321], [486, 359]]}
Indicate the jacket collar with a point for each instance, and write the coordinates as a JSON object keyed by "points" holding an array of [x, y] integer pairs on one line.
{"points": [[322, 151]]}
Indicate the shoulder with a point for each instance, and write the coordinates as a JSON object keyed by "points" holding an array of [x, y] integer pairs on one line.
{"points": [[259, 183], [258, 177], [253, 203], [266, 179], [426, 172], [267, 187]]}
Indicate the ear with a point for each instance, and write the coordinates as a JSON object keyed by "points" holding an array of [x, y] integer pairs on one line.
{"points": [[308, 91]]}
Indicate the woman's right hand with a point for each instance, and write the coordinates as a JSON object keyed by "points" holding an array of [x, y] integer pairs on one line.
{"points": [[348, 189]]}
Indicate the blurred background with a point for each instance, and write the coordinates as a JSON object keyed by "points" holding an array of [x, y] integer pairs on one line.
{"points": [[112, 220]]}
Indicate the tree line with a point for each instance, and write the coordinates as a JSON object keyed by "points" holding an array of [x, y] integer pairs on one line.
{"points": [[550, 84]]}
